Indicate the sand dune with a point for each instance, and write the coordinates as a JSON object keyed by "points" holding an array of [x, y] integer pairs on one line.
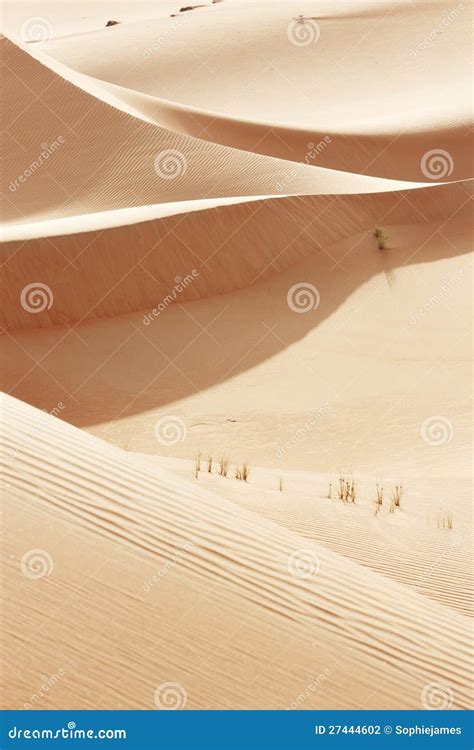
{"points": [[123, 525], [189, 267], [144, 164], [296, 94]]}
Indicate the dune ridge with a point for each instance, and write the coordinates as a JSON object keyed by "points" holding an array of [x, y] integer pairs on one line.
{"points": [[56, 471]]}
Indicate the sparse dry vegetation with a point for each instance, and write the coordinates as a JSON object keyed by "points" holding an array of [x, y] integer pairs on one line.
{"points": [[381, 238], [223, 466], [242, 472], [379, 500], [209, 464], [445, 519], [281, 483], [197, 464], [329, 491], [347, 490], [396, 500]]}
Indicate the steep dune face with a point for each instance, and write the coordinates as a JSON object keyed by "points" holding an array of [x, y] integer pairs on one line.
{"points": [[189, 267], [150, 265], [246, 370], [67, 173], [101, 528], [303, 79]]}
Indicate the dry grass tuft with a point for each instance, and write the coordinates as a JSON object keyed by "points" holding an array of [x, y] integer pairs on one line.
{"points": [[223, 466], [379, 501], [197, 464], [445, 519], [281, 483], [396, 500], [209, 464], [381, 237], [347, 490], [242, 472]]}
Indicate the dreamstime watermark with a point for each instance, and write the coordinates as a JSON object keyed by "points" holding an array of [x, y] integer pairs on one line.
{"points": [[313, 150], [170, 164], [64, 733], [36, 563], [437, 430], [303, 563], [303, 297], [36, 297], [440, 560], [179, 287], [437, 297], [302, 32], [36, 30], [36, 429], [176, 24], [436, 696], [170, 696], [437, 164], [47, 150], [313, 685], [436, 31], [170, 430], [302, 431], [169, 564], [44, 688]]}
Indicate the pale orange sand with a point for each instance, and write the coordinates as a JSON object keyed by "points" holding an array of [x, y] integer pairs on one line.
{"points": [[192, 268], [233, 618]]}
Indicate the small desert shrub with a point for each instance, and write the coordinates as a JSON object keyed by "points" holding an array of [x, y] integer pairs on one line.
{"points": [[223, 466], [379, 500], [281, 483], [209, 464], [242, 472], [197, 464], [445, 520], [396, 500], [347, 490], [381, 237]]}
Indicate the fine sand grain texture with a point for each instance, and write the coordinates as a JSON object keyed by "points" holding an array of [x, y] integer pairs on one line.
{"points": [[236, 337]]}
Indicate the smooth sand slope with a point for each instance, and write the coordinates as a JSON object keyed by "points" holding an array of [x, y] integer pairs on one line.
{"points": [[187, 72], [184, 273], [348, 385], [101, 528]]}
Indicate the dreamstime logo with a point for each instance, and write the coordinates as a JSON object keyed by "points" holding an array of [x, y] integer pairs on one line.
{"points": [[170, 430], [170, 164], [36, 563], [303, 297], [436, 31], [303, 430], [437, 430], [303, 563], [302, 32], [436, 696], [313, 150], [44, 688], [437, 297], [437, 164], [169, 564], [47, 150], [36, 29], [170, 696], [36, 297], [179, 287]]}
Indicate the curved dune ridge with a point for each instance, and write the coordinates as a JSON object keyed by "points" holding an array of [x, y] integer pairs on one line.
{"points": [[143, 164], [190, 267], [297, 94], [123, 524]]}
